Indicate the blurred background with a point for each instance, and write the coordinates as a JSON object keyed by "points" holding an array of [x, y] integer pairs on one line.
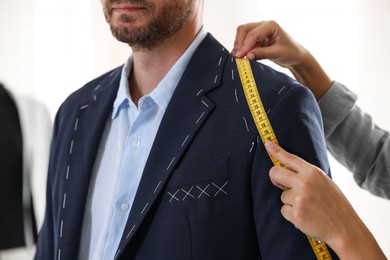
{"points": [[50, 48]]}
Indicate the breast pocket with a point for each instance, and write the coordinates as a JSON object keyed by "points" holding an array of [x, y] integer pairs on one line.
{"points": [[199, 181]]}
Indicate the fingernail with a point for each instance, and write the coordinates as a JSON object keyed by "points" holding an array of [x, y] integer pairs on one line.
{"points": [[251, 56], [238, 54], [269, 145]]}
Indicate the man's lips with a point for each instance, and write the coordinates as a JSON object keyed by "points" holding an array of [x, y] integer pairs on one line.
{"points": [[126, 8]]}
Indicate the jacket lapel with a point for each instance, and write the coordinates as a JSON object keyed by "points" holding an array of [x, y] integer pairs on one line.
{"points": [[188, 109], [89, 123]]}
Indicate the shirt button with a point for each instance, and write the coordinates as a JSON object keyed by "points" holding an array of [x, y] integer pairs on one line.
{"points": [[136, 143], [124, 206]]}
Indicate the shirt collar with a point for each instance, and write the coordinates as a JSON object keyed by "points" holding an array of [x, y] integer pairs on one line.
{"points": [[164, 90]]}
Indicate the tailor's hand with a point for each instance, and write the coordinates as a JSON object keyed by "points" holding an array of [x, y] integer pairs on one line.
{"points": [[316, 206], [267, 40], [312, 202]]}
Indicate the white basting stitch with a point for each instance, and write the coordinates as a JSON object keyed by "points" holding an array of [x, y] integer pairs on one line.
{"points": [[188, 193], [59, 254], [253, 144], [98, 86], [258, 139], [223, 48], [117, 253], [142, 212], [232, 60], [62, 225], [235, 93], [280, 91], [269, 110], [64, 201], [94, 98], [216, 78], [197, 121], [128, 235], [158, 185], [83, 107], [67, 172], [199, 92], [71, 147], [203, 191], [173, 196], [220, 60], [171, 163], [246, 124], [205, 103], [185, 140], [76, 124], [220, 188], [232, 74]]}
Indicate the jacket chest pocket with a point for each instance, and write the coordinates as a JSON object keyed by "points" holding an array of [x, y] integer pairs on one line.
{"points": [[199, 181]]}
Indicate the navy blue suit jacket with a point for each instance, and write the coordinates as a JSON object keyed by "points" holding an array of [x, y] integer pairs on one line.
{"points": [[205, 192]]}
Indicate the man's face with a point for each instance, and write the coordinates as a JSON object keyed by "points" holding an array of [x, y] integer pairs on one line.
{"points": [[144, 24]]}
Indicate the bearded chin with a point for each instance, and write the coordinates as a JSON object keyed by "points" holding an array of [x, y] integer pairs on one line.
{"points": [[138, 38], [168, 22]]}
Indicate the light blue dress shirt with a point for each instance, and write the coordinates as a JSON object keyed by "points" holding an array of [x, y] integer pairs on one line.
{"points": [[121, 158]]}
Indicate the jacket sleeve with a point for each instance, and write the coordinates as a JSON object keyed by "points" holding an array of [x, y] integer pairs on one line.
{"points": [[297, 123], [347, 130]]}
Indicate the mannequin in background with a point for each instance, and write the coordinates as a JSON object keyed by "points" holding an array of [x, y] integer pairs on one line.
{"points": [[24, 147]]}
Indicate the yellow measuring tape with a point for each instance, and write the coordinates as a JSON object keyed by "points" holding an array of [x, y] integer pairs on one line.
{"points": [[266, 132]]}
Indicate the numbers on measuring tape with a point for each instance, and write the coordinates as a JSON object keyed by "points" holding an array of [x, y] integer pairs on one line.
{"points": [[266, 132]]}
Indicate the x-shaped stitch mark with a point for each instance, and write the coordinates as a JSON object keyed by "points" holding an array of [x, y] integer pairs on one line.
{"points": [[188, 193], [220, 188], [203, 191], [173, 196]]}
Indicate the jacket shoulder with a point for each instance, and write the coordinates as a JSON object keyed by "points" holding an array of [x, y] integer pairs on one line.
{"points": [[85, 93], [273, 85]]}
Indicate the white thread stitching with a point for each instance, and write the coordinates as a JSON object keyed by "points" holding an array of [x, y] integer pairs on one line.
{"points": [[253, 144], [188, 193], [142, 212], [128, 235], [171, 163], [67, 172], [246, 124], [62, 225], [158, 185], [280, 91], [76, 124], [185, 140], [71, 147], [197, 121], [203, 191], [173, 196], [64, 201], [220, 188]]}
